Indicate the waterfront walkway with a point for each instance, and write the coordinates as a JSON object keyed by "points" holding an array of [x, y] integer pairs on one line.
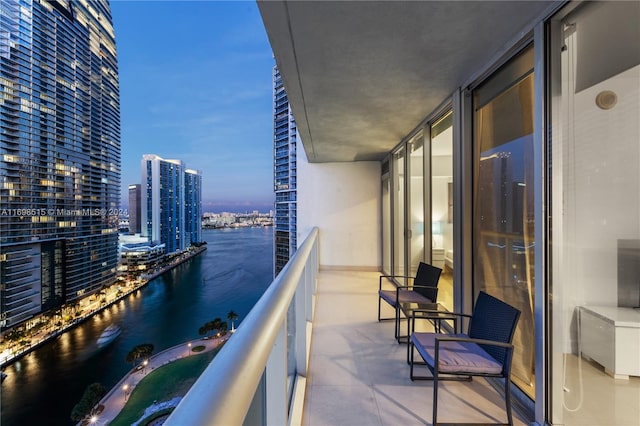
{"points": [[115, 400], [9, 354]]}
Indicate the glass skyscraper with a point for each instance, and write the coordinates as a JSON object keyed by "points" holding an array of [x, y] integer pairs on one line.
{"points": [[171, 209], [162, 207], [193, 205], [135, 197], [59, 154], [285, 174]]}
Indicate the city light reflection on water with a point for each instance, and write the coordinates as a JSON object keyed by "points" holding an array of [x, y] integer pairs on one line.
{"points": [[231, 274]]}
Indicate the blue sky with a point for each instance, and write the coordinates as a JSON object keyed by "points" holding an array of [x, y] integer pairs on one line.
{"points": [[195, 85]]}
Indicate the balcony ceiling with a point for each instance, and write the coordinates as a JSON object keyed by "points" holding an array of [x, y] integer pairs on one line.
{"points": [[360, 75]]}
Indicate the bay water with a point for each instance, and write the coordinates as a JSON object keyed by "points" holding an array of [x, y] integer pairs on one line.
{"points": [[231, 274]]}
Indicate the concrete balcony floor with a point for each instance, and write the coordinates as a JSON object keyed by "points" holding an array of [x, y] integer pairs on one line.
{"points": [[358, 374]]}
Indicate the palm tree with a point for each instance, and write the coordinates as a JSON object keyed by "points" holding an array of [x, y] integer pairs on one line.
{"points": [[216, 324], [232, 316], [139, 352]]}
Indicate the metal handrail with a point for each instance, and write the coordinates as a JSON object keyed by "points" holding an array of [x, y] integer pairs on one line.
{"points": [[223, 393]]}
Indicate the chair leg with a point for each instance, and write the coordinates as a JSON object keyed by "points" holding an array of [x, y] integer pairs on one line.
{"points": [[507, 399], [378, 308], [397, 327], [435, 397], [410, 345]]}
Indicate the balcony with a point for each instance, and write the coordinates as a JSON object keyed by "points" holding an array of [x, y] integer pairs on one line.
{"points": [[348, 368]]}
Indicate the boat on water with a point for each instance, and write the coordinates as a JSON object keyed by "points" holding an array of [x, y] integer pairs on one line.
{"points": [[109, 334]]}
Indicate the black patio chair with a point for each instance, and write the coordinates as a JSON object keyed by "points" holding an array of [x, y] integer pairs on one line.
{"points": [[423, 288], [486, 350]]}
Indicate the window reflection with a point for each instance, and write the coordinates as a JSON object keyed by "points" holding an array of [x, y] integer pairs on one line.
{"points": [[503, 201]]}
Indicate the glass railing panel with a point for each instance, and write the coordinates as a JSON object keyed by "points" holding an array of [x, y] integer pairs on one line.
{"points": [[264, 355]]}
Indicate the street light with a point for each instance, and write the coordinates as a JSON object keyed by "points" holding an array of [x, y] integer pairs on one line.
{"points": [[125, 388], [93, 420], [188, 348], [144, 366]]}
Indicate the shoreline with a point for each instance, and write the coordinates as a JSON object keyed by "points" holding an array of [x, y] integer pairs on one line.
{"points": [[77, 321]]}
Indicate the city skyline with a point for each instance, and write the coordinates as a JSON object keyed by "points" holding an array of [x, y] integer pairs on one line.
{"points": [[195, 84]]}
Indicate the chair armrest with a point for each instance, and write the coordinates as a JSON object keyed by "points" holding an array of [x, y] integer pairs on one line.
{"points": [[434, 314], [432, 311], [390, 276], [456, 317], [412, 286]]}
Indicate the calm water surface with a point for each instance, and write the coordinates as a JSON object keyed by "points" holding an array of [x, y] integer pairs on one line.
{"points": [[231, 274]]}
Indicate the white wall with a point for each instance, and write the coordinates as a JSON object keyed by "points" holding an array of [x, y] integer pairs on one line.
{"points": [[344, 201]]}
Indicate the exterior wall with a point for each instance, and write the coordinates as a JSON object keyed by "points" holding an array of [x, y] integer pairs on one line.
{"points": [[60, 145], [344, 201]]}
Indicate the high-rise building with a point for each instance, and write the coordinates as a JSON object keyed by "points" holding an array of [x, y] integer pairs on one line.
{"points": [[59, 154], [135, 201], [193, 205], [162, 209], [284, 174]]}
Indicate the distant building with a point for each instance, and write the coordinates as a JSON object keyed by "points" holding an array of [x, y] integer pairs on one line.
{"points": [[140, 258], [162, 208], [135, 201], [171, 207], [284, 175], [193, 205], [60, 154]]}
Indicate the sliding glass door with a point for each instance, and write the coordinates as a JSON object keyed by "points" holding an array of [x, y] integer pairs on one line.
{"points": [[442, 205], [503, 232], [399, 228], [595, 205], [415, 201]]}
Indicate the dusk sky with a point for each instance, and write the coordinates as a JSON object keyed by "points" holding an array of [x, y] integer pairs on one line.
{"points": [[195, 85]]}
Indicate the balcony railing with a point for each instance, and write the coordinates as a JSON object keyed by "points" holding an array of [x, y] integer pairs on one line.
{"points": [[259, 375]]}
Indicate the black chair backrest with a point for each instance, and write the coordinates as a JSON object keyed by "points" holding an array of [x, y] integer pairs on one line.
{"points": [[493, 319], [427, 275]]}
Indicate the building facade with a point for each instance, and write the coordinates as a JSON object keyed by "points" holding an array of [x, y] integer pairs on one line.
{"points": [[285, 175], [163, 205], [59, 154], [141, 258], [193, 206], [135, 203]]}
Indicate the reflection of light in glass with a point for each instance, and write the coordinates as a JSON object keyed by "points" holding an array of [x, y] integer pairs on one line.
{"points": [[501, 246]]}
